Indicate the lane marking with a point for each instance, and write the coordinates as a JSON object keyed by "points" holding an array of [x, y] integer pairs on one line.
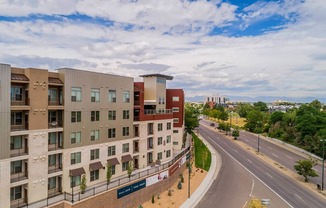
{"points": [[300, 198], [249, 161], [274, 155], [269, 148], [289, 157], [253, 174], [245, 205], [235, 150], [252, 187], [246, 140], [269, 175]]}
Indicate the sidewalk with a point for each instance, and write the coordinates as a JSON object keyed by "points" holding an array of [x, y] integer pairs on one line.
{"points": [[214, 169]]}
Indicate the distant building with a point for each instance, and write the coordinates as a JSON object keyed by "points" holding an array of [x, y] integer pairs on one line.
{"points": [[216, 100]]}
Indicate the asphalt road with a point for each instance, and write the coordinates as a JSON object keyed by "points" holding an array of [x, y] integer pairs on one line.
{"points": [[232, 184]]}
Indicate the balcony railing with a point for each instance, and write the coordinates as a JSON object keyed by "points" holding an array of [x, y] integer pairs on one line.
{"points": [[136, 149], [136, 102], [19, 176], [55, 102], [22, 127], [21, 102], [56, 146], [55, 124], [55, 168], [19, 152], [152, 112]]}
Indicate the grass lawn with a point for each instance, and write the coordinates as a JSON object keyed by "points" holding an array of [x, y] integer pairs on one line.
{"points": [[202, 154]]}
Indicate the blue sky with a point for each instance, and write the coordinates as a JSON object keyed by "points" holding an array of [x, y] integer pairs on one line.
{"points": [[231, 47]]}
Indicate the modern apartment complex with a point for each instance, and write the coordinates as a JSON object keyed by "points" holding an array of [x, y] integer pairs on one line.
{"points": [[57, 126]]}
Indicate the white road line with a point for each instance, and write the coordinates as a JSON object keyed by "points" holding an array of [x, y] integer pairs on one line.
{"points": [[269, 148], [249, 161], [315, 169], [289, 157], [253, 174], [274, 155], [245, 205], [235, 151], [299, 198], [252, 187], [269, 175]]}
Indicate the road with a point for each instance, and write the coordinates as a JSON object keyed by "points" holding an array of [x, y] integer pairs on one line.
{"points": [[232, 183]]}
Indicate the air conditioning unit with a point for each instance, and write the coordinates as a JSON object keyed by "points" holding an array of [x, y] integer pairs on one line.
{"points": [[54, 123]]}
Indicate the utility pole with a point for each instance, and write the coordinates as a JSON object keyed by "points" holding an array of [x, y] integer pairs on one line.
{"points": [[323, 165]]}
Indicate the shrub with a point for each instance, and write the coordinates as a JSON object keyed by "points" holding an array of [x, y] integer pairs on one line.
{"points": [[181, 178], [179, 185], [169, 192], [153, 199]]}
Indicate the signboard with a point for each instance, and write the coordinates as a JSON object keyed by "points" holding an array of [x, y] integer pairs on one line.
{"points": [[182, 161], [156, 178], [131, 188]]}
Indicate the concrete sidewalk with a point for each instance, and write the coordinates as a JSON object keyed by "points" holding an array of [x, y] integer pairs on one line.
{"points": [[214, 169]]}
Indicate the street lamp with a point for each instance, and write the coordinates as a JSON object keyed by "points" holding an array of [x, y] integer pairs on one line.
{"points": [[230, 123], [323, 170], [258, 142]]}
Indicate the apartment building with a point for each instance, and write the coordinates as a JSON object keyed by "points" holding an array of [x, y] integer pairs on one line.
{"points": [[57, 126]]}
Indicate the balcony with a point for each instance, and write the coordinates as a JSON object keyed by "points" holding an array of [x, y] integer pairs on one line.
{"points": [[55, 141], [18, 170], [18, 146], [20, 102], [136, 146], [150, 114], [54, 186], [150, 144], [18, 196], [55, 124], [22, 127], [19, 120], [55, 163], [55, 119]]}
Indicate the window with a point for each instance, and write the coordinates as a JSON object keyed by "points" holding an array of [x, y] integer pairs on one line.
{"points": [[159, 156], [168, 153], [113, 169], [75, 137], [16, 118], [52, 94], [16, 142], [126, 96], [168, 126], [125, 131], [125, 166], [168, 139], [52, 138], [95, 115], [15, 193], [175, 143], [16, 93], [159, 140], [75, 181], [126, 114], [94, 175], [95, 135], [111, 150], [175, 109], [111, 133], [159, 127], [112, 115], [175, 99], [150, 143], [95, 95], [75, 116], [52, 183], [150, 128], [95, 154], [16, 167], [112, 96], [76, 94], [175, 131], [52, 160], [75, 158], [160, 80], [176, 120], [125, 147]]}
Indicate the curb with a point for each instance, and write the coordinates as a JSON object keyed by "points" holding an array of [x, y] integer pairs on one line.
{"points": [[214, 169]]}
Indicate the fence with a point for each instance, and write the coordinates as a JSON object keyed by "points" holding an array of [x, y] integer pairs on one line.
{"points": [[94, 190]]}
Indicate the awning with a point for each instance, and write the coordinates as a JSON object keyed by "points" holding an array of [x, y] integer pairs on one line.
{"points": [[126, 158], [113, 161], [77, 172], [19, 77], [54, 80], [95, 166]]}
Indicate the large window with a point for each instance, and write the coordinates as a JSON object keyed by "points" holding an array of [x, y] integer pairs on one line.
{"points": [[125, 131], [16, 167], [125, 166], [52, 183], [112, 115], [160, 80], [111, 133], [126, 96], [126, 114], [94, 175], [95, 154], [176, 120], [150, 128], [150, 143], [75, 116], [95, 115], [168, 153], [168, 126], [16, 118], [52, 94], [175, 99], [95, 135], [113, 169], [125, 148], [112, 96], [16, 93], [16, 142], [159, 141], [75, 137], [159, 127], [111, 150], [52, 160], [76, 94], [95, 95], [15, 193], [75, 181], [75, 158], [159, 156], [168, 139]]}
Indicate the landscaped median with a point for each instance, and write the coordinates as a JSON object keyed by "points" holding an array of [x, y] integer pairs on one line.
{"points": [[203, 156]]}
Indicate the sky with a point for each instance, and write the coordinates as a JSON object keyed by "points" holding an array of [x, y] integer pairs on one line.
{"points": [[230, 47]]}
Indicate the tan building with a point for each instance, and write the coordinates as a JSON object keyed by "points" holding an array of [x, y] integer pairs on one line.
{"points": [[57, 126]]}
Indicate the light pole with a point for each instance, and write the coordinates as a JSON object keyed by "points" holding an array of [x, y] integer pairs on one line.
{"points": [[230, 123], [258, 136], [322, 169]]}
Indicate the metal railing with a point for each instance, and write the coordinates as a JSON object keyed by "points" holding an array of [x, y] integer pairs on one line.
{"points": [[102, 187], [21, 102], [152, 112], [19, 152], [22, 127], [19, 177]]}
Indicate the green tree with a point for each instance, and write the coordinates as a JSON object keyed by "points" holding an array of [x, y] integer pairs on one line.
{"points": [[191, 117], [276, 117], [261, 106], [83, 184], [316, 104], [108, 173], [236, 133], [130, 168], [243, 109], [304, 168], [254, 121], [224, 116]]}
